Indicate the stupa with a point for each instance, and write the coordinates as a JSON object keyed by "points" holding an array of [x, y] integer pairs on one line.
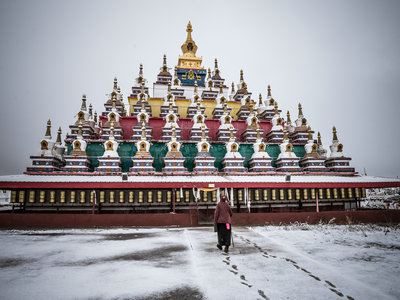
{"points": [[77, 160], [287, 160], [336, 161], [260, 160], [110, 161], [312, 161], [252, 127], [233, 160], [174, 159], [204, 162], [142, 161], [275, 135]]}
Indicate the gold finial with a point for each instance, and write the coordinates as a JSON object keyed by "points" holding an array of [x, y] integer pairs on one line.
{"points": [[225, 108], [208, 74], [111, 132], [143, 130], [173, 131], [189, 46], [203, 132], [80, 129], [244, 86], [241, 76], [48, 129], [171, 108], [195, 87], [319, 139], [334, 134], [115, 84], [114, 102], [258, 133], [198, 108], [251, 108], [169, 87], [310, 137], [216, 64], [189, 31], [276, 108], [119, 89], [285, 137], [164, 68], [90, 110], [58, 141], [220, 88], [269, 91], [300, 110], [231, 132], [83, 106], [288, 118], [95, 117], [141, 70], [143, 105], [233, 87], [260, 99]]}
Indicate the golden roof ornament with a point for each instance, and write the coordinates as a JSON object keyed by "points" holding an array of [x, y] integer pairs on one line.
{"points": [[285, 136], [198, 108], [58, 141], [189, 49], [289, 121], [258, 132], [300, 110], [220, 88], [111, 131], [233, 87], [260, 99], [173, 133], [83, 106], [310, 137], [216, 68], [143, 105], [171, 108], [269, 91], [143, 130], [114, 102], [195, 87], [251, 108], [80, 129], [209, 74], [95, 117], [169, 87], [90, 110], [115, 84], [203, 132], [48, 129], [319, 139], [232, 133], [241, 76], [335, 138], [276, 108], [225, 108]]}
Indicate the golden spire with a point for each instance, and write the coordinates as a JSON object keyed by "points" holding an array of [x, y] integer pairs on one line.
{"points": [[285, 137], [269, 91], [260, 99], [300, 110], [189, 49], [288, 118], [225, 108], [140, 79], [310, 137], [203, 132], [80, 129], [173, 132], [276, 108], [241, 76], [90, 110], [58, 141], [83, 106], [334, 134], [198, 108], [233, 87], [114, 102], [169, 87], [319, 139], [115, 84], [143, 105], [209, 74], [143, 130], [95, 117], [171, 108], [164, 68], [258, 132], [195, 87], [48, 129], [251, 108], [220, 88], [111, 132], [232, 133], [216, 68]]}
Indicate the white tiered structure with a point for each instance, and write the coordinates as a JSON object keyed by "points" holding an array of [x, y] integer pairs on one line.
{"points": [[50, 156], [142, 120], [252, 128], [312, 162], [199, 125], [113, 121], [337, 162], [300, 135], [110, 162], [275, 136], [171, 126], [287, 161], [225, 129], [174, 159], [77, 160], [260, 160], [204, 162], [233, 160], [142, 161]]}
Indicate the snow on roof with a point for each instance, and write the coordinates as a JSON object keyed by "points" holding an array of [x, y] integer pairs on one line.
{"points": [[200, 178]]}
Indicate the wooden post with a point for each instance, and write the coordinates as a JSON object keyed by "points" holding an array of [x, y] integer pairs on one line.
{"points": [[94, 202], [173, 200], [316, 198]]}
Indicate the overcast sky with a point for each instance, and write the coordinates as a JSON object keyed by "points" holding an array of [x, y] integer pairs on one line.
{"points": [[340, 59]]}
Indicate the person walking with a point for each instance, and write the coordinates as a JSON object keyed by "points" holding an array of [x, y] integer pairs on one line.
{"points": [[222, 219]]}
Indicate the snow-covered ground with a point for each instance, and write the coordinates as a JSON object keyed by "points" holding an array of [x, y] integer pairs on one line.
{"points": [[271, 262]]}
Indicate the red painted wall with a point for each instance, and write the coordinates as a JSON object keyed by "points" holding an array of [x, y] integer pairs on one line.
{"points": [[185, 124]]}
